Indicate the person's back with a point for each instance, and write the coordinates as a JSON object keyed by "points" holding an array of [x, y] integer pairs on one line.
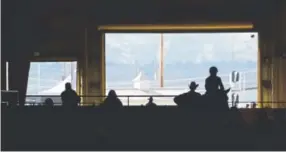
{"points": [[151, 105], [213, 82], [181, 100], [69, 96], [194, 95], [112, 101], [49, 102], [189, 99]]}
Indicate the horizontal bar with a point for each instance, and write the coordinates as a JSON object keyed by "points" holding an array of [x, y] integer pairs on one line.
{"points": [[90, 96], [155, 101], [179, 27]]}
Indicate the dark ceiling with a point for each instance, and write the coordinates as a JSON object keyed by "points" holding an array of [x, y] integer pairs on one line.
{"points": [[57, 26]]}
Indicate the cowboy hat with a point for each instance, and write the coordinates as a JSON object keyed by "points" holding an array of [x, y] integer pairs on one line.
{"points": [[193, 85]]}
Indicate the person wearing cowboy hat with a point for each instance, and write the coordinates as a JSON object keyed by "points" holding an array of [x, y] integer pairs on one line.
{"points": [[193, 86], [194, 95], [190, 98]]}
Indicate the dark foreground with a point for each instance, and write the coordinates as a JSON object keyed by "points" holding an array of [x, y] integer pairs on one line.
{"points": [[139, 128]]}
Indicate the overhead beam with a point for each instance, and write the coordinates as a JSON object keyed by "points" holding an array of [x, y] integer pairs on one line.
{"points": [[191, 27]]}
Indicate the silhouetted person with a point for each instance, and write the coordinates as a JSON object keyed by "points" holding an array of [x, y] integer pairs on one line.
{"points": [[49, 102], [112, 100], [151, 103], [213, 82], [70, 97], [191, 98], [217, 100]]}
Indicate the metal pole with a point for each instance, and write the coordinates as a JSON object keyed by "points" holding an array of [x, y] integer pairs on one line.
{"points": [[7, 76], [162, 61], [72, 70], [39, 78]]}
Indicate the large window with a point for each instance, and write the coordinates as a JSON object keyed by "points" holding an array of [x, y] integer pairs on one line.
{"points": [[49, 78], [164, 64]]}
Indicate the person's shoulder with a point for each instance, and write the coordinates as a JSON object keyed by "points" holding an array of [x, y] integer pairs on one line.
{"points": [[217, 77], [209, 77]]}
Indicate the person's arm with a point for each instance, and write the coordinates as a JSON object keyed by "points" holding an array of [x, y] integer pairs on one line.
{"points": [[206, 84], [220, 84], [62, 98]]}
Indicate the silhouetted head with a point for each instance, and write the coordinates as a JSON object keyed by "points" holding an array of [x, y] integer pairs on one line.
{"points": [[49, 102], [112, 94], [150, 99], [213, 71], [193, 85], [68, 86]]}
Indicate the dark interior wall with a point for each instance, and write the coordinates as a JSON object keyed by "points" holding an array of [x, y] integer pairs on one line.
{"points": [[56, 28], [18, 78], [18, 39]]}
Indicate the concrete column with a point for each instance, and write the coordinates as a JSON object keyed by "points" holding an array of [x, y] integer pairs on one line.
{"points": [[272, 44], [93, 70], [79, 79], [266, 48], [279, 59]]}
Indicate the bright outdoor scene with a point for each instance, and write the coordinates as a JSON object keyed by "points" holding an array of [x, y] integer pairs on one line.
{"points": [[154, 64], [47, 80]]}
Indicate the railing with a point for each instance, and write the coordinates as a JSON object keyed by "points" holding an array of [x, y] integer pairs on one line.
{"points": [[136, 100], [246, 77]]}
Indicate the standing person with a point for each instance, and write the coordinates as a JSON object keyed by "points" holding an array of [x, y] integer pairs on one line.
{"points": [[69, 96]]}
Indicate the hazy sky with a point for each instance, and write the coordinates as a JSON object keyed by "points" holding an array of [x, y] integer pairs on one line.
{"points": [[195, 47]]}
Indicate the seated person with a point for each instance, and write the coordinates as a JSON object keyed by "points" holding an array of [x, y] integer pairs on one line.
{"points": [[213, 83], [150, 103], [49, 102], [112, 101], [189, 98]]}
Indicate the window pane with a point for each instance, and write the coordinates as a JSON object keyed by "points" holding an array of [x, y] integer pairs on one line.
{"points": [[49, 78], [133, 63]]}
